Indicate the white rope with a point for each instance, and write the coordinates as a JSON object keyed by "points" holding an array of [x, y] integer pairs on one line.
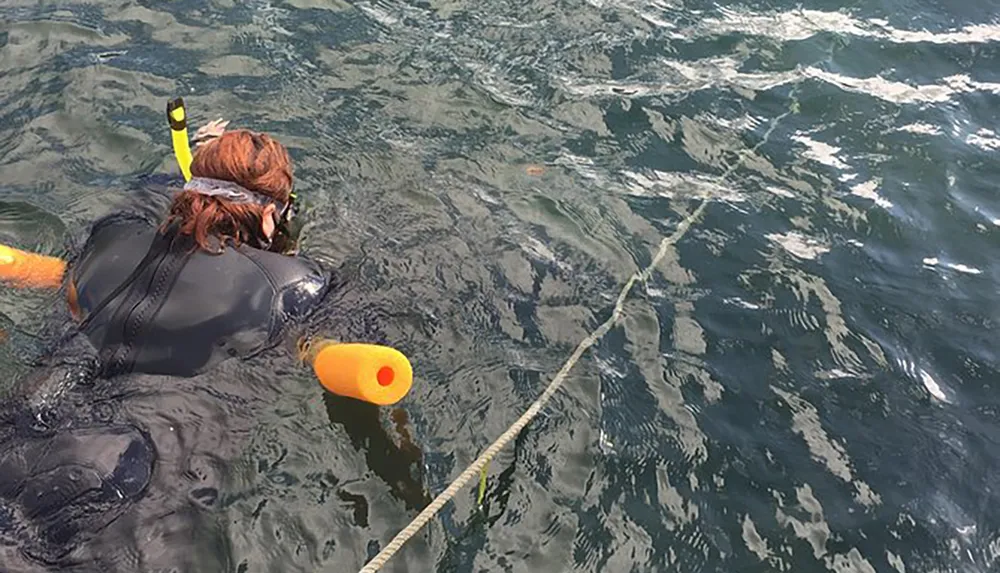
{"points": [[470, 472]]}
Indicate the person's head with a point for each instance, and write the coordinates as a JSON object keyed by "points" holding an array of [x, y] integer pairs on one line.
{"points": [[253, 161]]}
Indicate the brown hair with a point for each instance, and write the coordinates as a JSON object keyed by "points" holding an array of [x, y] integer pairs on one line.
{"points": [[253, 160]]}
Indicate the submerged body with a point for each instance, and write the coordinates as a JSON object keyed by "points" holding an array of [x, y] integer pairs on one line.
{"points": [[120, 475]]}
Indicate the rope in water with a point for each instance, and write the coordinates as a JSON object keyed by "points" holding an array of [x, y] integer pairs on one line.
{"points": [[475, 467]]}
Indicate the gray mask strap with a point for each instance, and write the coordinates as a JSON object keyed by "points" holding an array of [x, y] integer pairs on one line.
{"points": [[229, 191]]}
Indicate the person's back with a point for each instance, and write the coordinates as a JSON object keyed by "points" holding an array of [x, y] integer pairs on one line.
{"points": [[155, 303]]}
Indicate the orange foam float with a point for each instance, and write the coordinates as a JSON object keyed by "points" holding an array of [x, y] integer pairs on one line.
{"points": [[30, 270], [369, 372]]}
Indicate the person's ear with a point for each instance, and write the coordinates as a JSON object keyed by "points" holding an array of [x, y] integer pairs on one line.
{"points": [[267, 220]]}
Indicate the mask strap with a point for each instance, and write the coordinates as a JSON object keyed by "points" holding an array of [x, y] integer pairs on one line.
{"points": [[230, 191]]}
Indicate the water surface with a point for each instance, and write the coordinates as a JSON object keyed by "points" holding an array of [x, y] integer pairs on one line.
{"points": [[804, 384]]}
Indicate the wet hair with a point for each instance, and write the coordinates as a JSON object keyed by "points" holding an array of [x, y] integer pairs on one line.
{"points": [[255, 161]]}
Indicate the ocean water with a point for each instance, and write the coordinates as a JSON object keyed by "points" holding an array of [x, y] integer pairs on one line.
{"points": [[805, 382]]}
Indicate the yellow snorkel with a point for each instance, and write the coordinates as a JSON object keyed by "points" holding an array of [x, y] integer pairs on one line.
{"points": [[179, 135]]}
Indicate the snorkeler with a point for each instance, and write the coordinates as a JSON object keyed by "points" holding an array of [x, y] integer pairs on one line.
{"points": [[115, 449], [112, 450], [213, 212], [207, 283]]}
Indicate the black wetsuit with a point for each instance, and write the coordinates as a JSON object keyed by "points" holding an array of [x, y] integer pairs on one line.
{"points": [[153, 303], [112, 452]]}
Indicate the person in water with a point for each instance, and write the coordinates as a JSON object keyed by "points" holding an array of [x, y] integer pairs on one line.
{"points": [[207, 283], [111, 449]]}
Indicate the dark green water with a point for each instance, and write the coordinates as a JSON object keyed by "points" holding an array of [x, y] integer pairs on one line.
{"points": [[805, 384]]}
